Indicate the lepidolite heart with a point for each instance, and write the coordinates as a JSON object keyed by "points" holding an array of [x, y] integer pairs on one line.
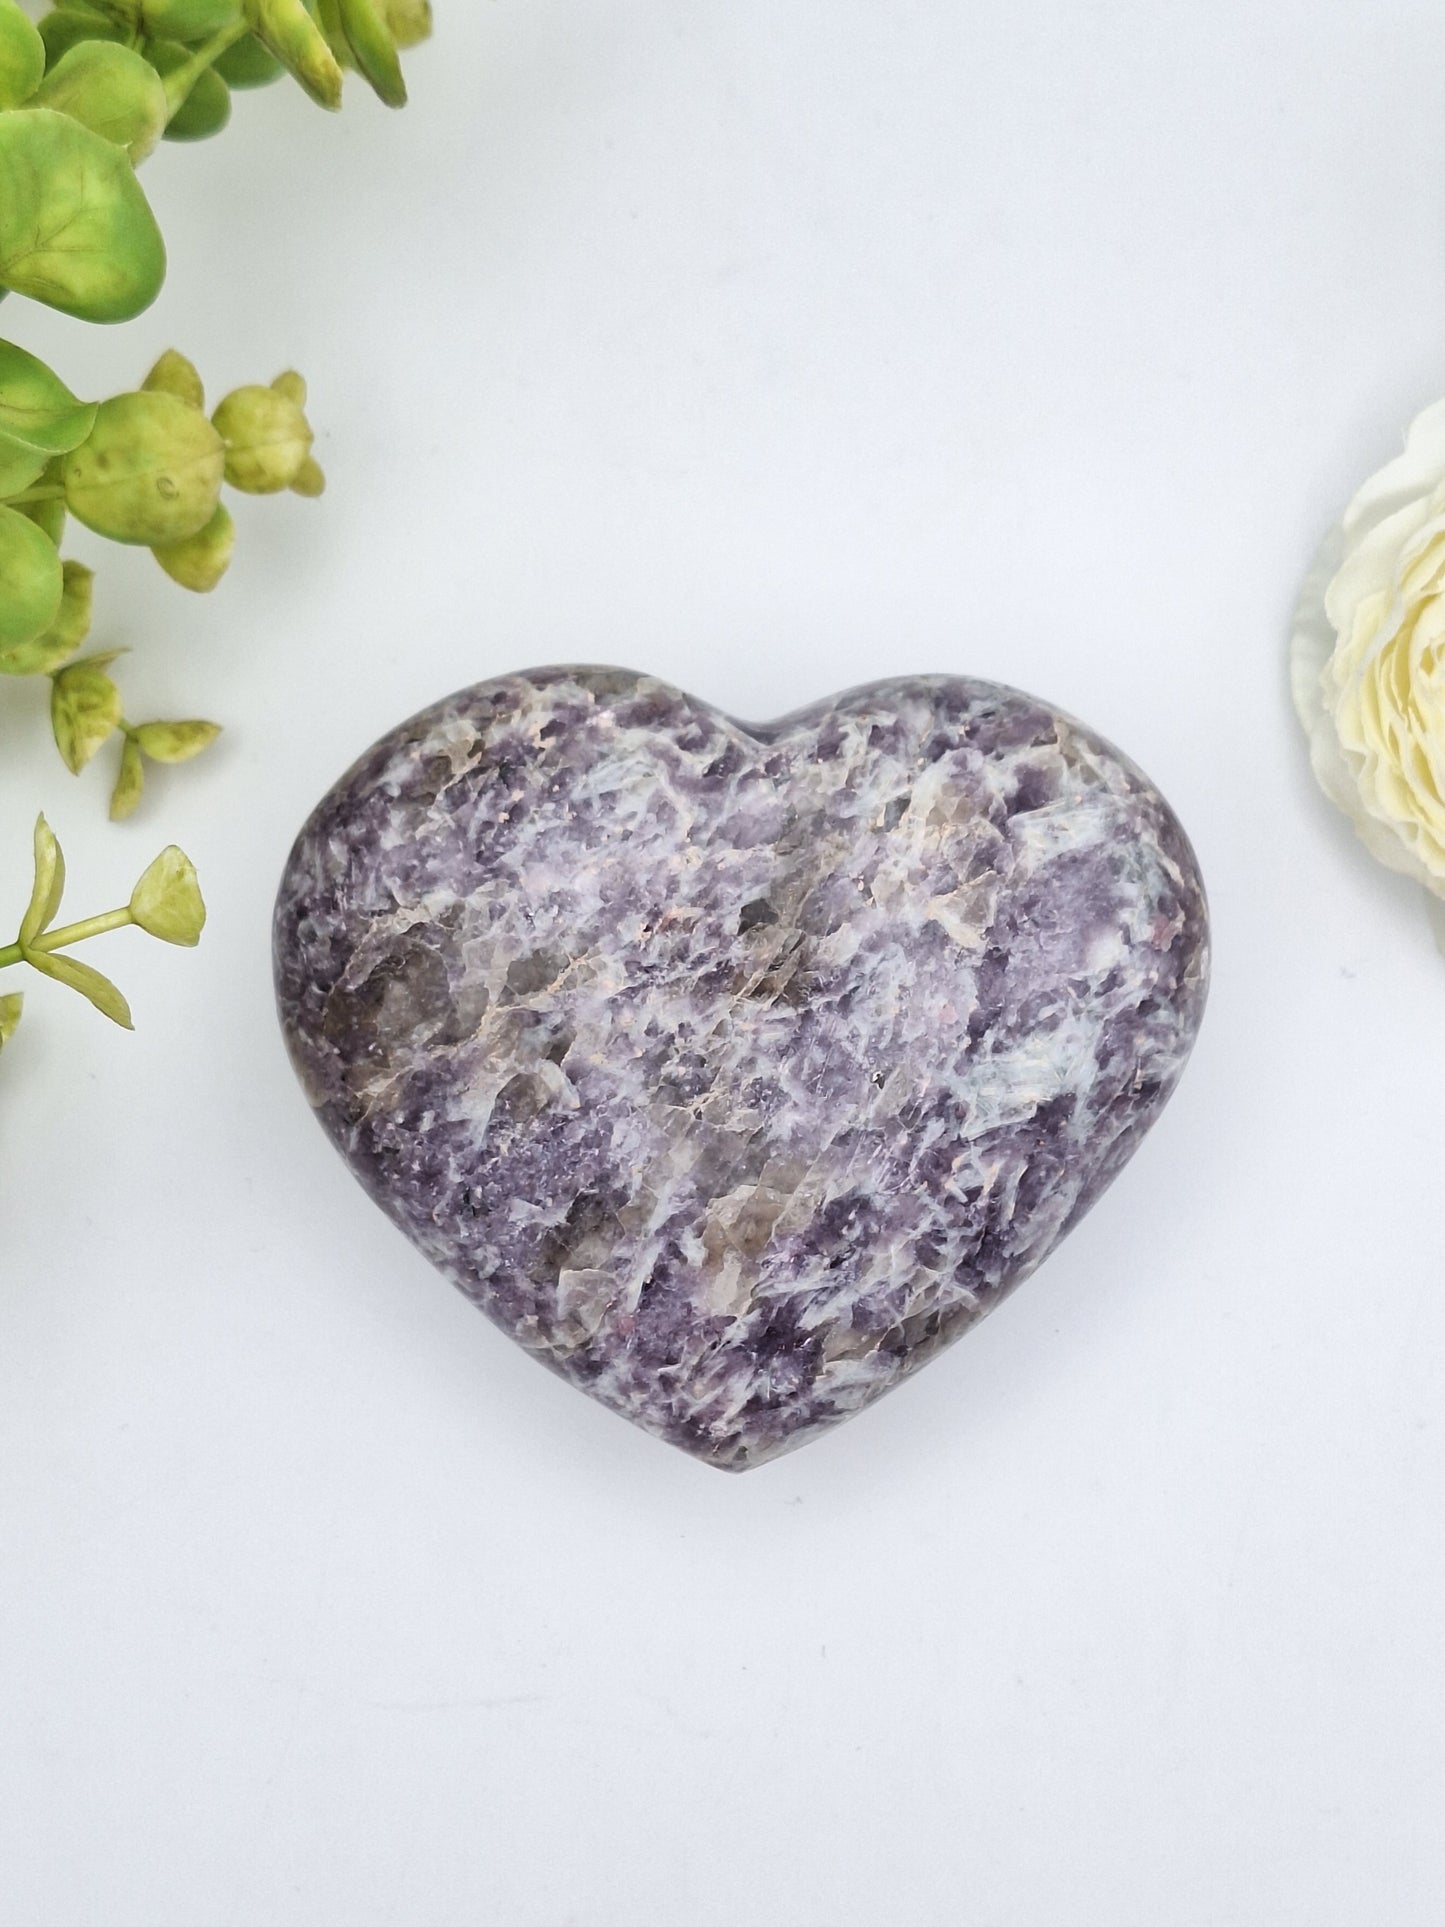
{"points": [[734, 1070]]}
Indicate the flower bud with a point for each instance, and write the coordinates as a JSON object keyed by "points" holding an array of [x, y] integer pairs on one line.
{"points": [[31, 581], [110, 90], [174, 375], [373, 49], [202, 559], [22, 56], [166, 903], [10, 1009], [149, 472], [292, 386], [286, 29], [267, 438], [409, 20]]}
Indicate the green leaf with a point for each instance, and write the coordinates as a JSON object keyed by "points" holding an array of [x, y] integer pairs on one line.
{"points": [[187, 19], [129, 782], [166, 903], [174, 375], [373, 49], [55, 645], [248, 64], [175, 742], [10, 1009], [22, 56], [39, 418], [31, 581], [49, 513], [69, 26], [48, 888], [76, 231], [111, 90], [149, 472], [85, 708], [202, 559], [78, 976]]}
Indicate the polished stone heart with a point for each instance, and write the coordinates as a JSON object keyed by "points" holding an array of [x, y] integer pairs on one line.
{"points": [[735, 1070]]}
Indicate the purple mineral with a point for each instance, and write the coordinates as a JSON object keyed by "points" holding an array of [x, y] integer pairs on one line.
{"points": [[735, 1070]]}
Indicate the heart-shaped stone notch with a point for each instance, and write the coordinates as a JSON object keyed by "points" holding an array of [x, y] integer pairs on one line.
{"points": [[735, 1070]]}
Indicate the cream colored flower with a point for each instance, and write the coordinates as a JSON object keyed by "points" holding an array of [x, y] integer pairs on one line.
{"points": [[1368, 659]]}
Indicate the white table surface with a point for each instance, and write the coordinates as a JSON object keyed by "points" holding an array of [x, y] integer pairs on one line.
{"points": [[772, 348]]}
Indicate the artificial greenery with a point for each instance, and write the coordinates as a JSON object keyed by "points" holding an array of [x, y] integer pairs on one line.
{"points": [[86, 93]]}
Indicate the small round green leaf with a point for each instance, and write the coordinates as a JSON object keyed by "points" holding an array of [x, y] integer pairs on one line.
{"points": [[200, 110], [31, 580], [47, 515], [248, 64], [111, 90], [22, 56], [57, 644], [76, 232], [187, 19], [149, 472], [39, 418], [69, 26]]}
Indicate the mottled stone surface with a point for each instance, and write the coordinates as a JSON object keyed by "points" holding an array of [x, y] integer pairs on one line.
{"points": [[735, 1070]]}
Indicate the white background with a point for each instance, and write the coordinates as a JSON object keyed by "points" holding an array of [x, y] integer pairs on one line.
{"points": [[772, 348]]}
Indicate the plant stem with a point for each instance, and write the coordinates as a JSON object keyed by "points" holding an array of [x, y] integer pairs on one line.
{"points": [[87, 927], [182, 79], [51, 492], [11, 953]]}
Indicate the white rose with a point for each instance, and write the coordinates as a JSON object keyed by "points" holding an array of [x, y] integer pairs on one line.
{"points": [[1368, 659]]}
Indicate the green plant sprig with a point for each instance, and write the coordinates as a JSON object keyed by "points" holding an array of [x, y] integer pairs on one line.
{"points": [[86, 94], [142, 468], [166, 903]]}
